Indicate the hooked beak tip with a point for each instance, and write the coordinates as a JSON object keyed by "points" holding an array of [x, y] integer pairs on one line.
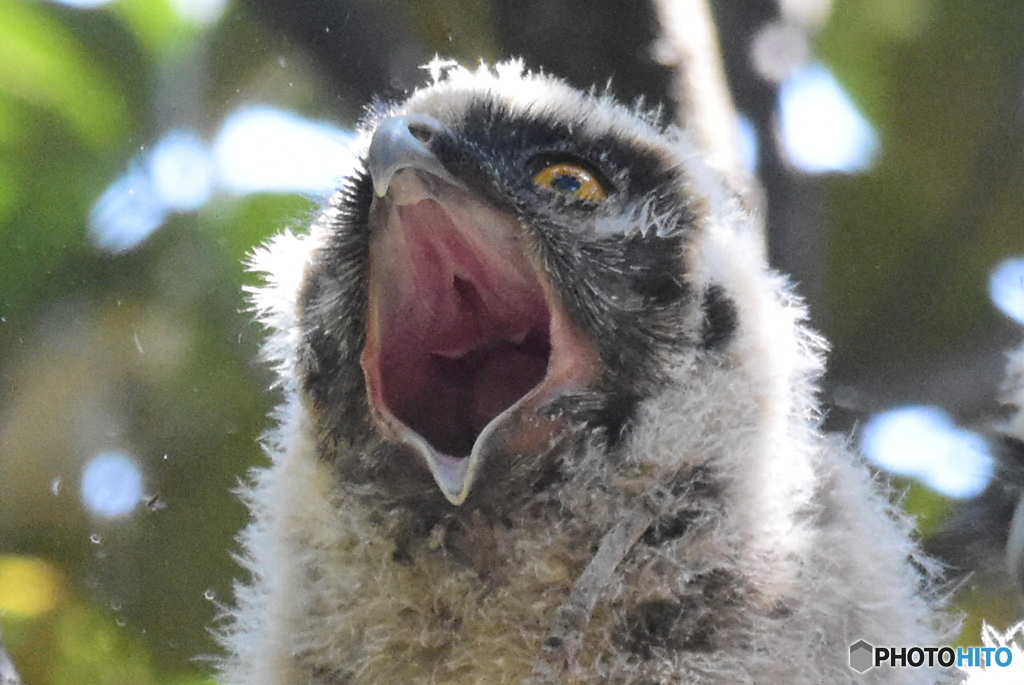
{"points": [[403, 142]]}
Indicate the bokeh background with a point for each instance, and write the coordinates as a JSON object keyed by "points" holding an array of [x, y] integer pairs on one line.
{"points": [[147, 145]]}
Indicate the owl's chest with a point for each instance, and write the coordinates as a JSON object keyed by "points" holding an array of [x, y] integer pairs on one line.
{"points": [[472, 598]]}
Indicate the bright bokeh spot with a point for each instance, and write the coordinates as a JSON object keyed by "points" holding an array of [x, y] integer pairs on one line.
{"points": [[28, 587], [1006, 288], [925, 443], [806, 12], [746, 136], [201, 12], [822, 130], [127, 213], [258, 150], [84, 4], [181, 171], [176, 176], [111, 485], [262, 149]]}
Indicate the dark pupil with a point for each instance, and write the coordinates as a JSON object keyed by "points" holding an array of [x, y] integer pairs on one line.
{"points": [[566, 183]]}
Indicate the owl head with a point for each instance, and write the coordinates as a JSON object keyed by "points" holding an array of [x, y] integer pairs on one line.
{"points": [[509, 264]]}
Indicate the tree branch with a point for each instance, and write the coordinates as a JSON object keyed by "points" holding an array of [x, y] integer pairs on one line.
{"points": [[566, 637], [689, 44]]}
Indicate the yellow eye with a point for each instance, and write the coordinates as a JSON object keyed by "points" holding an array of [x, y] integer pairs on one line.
{"points": [[571, 180]]}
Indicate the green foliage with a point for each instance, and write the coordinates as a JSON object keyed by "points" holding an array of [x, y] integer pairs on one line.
{"points": [[938, 80], [928, 507], [151, 351], [43, 63], [76, 643]]}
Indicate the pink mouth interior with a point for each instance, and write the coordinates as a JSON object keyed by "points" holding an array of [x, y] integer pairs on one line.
{"points": [[463, 323]]}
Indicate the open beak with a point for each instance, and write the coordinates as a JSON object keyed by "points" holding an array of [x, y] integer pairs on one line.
{"points": [[467, 342]]}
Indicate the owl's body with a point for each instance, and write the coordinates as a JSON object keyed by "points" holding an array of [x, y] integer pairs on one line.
{"points": [[657, 365]]}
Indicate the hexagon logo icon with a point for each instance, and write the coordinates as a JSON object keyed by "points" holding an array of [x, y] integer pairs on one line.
{"points": [[861, 656]]}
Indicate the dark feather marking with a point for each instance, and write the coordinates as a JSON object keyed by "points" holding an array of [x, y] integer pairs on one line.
{"points": [[332, 313], [654, 268], [599, 288], [671, 527], [698, 493], [720, 319], [688, 622]]}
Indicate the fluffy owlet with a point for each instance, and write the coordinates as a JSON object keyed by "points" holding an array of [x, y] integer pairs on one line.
{"points": [[549, 417]]}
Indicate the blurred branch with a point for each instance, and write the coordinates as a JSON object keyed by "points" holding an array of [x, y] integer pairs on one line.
{"points": [[793, 206], [689, 44]]}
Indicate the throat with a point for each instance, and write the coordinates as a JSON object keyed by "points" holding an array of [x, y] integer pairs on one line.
{"points": [[464, 328], [460, 395]]}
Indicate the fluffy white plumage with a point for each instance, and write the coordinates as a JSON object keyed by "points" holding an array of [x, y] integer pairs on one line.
{"points": [[772, 548]]}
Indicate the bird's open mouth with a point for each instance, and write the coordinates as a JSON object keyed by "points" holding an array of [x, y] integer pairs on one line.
{"points": [[466, 341]]}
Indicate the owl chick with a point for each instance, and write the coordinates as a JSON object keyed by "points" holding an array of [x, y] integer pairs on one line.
{"points": [[541, 389]]}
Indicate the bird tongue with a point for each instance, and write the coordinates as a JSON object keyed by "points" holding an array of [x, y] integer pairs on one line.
{"points": [[462, 322]]}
